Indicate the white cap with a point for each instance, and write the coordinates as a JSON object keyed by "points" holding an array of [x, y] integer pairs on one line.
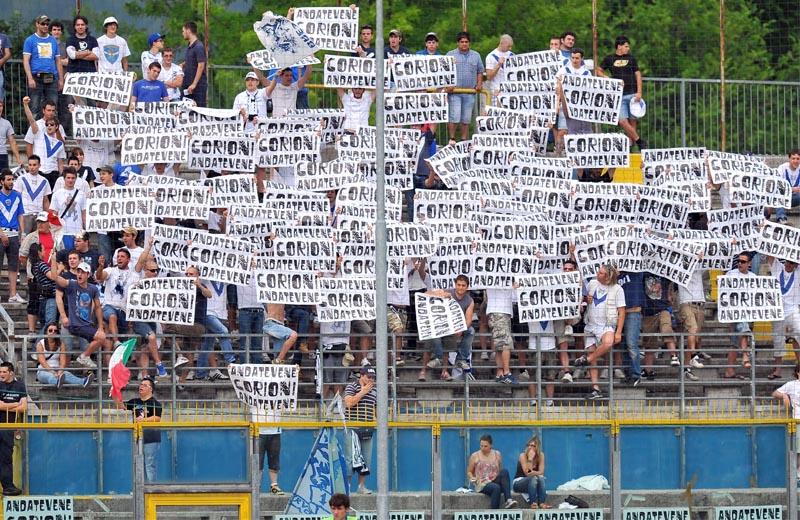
{"points": [[251, 75], [109, 20], [42, 216], [637, 108], [83, 266]]}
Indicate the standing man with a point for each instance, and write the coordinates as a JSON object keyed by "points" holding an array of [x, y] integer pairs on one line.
{"points": [[42, 65], [34, 188], [194, 68], [69, 204], [741, 342], [146, 409], [621, 65], [150, 89], [791, 172], [283, 91], [469, 75], [365, 49], [251, 103], [460, 341], [11, 211], [395, 47], [82, 48], [431, 45], [156, 43], [8, 141], [13, 400], [5, 55], [566, 43], [171, 74], [786, 273], [495, 74], [57, 32], [113, 50], [360, 398]]}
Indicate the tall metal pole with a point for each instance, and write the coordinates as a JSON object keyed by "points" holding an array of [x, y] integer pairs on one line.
{"points": [[381, 338], [722, 115], [594, 34], [463, 15]]}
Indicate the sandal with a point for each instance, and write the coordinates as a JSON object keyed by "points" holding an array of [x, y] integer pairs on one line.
{"points": [[746, 361], [276, 490], [534, 506]]}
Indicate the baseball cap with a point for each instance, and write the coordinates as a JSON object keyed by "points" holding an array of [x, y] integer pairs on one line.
{"points": [[105, 168], [42, 216], [154, 38], [251, 75], [637, 108], [83, 266], [42, 18], [109, 20], [432, 36], [396, 32], [369, 371]]}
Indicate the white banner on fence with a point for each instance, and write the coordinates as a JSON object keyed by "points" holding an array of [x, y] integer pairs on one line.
{"points": [[415, 108], [351, 72], [749, 298], [156, 147], [233, 190], [592, 98], [38, 507], [233, 154], [346, 299], [99, 124], [422, 72], [741, 223], [266, 388], [111, 209], [109, 87], [331, 28], [287, 149], [438, 317], [222, 259], [162, 300], [182, 202], [291, 288], [780, 241], [545, 297], [285, 41], [263, 60], [771, 191], [598, 150]]}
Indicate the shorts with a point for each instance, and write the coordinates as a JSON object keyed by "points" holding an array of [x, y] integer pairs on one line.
{"points": [[692, 316], [333, 373], [790, 326], [122, 323], [625, 108], [86, 332], [145, 329], [460, 107], [741, 327], [500, 325], [362, 326], [595, 333], [561, 123], [550, 364], [396, 319], [269, 444], [658, 323], [11, 252], [276, 330]]}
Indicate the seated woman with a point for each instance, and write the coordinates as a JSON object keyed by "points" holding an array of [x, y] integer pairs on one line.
{"points": [[53, 359], [485, 471], [530, 474]]}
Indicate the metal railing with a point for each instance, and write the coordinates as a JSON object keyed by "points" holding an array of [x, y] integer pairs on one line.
{"points": [[761, 115]]}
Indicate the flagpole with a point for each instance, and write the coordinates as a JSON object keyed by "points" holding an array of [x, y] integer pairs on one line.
{"points": [[381, 338]]}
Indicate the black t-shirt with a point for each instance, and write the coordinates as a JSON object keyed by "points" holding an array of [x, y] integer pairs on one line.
{"points": [[86, 174], [12, 392], [195, 55], [624, 68], [86, 43], [148, 408], [91, 257]]}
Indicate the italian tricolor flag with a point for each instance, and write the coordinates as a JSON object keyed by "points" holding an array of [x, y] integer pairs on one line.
{"points": [[118, 372]]}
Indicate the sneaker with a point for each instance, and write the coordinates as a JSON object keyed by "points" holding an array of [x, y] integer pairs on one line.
{"points": [[365, 362], [549, 403], [434, 363], [688, 374], [215, 374], [363, 490], [498, 379], [398, 362], [567, 377], [674, 361], [276, 490], [463, 365], [594, 394], [581, 361], [11, 491], [16, 299], [190, 375], [85, 361], [348, 358], [782, 220], [649, 374], [182, 360], [619, 374], [696, 363], [87, 380], [484, 356], [524, 375], [634, 381], [577, 374], [278, 361], [510, 503], [162, 372], [604, 374], [509, 379], [704, 356], [60, 381]]}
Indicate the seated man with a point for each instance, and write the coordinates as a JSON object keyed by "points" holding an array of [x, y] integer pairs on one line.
{"points": [[283, 336]]}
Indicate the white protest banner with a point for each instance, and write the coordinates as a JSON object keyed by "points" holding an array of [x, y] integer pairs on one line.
{"points": [[780, 241], [552, 167], [360, 146], [472, 181], [362, 194], [697, 191], [266, 388], [162, 300], [171, 246], [496, 263], [331, 28], [661, 207], [222, 258], [672, 155], [210, 122], [254, 224], [553, 195], [99, 124], [233, 190], [319, 176], [496, 150], [449, 261], [108, 87], [111, 209], [450, 231], [505, 124], [563, 236], [749, 298], [398, 172], [422, 72], [331, 121], [450, 160], [673, 259], [351, 72], [537, 234], [686, 162], [182, 202], [530, 102], [234, 154], [598, 150], [532, 66], [291, 288], [346, 299], [767, 512], [592, 98], [444, 205], [320, 252], [538, 119], [598, 202], [263, 60], [438, 317], [155, 147], [285, 41], [287, 149], [741, 223], [722, 165], [771, 191], [415, 108], [621, 245], [717, 252], [38, 507], [408, 239], [282, 125], [545, 297], [161, 115]]}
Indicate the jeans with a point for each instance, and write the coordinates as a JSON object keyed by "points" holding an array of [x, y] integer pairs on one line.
{"points": [[251, 321], [48, 311], [632, 359], [150, 452], [42, 93], [463, 345], [302, 317], [501, 485], [213, 326], [781, 212], [534, 487], [48, 378]]}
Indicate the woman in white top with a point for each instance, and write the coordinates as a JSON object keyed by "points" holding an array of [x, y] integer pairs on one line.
{"points": [[48, 144], [53, 359], [605, 316], [356, 104]]}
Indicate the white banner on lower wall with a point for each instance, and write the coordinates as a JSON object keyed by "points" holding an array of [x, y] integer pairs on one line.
{"points": [[438, 317], [749, 298], [41, 507], [267, 388]]}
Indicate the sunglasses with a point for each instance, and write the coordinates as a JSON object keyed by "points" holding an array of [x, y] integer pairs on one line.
{"points": [[52, 330], [153, 270]]}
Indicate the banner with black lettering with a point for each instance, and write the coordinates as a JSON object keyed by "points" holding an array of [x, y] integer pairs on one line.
{"points": [[360, 145], [749, 298], [287, 287], [621, 245], [265, 388], [717, 252], [233, 190], [182, 202], [263, 60], [286, 42], [780, 241], [592, 98], [423, 72], [352, 72], [108, 87], [365, 195], [661, 208], [449, 261], [210, 122], [451, 160], [496, 263], [398, 172], [222, 258], [161, 115], [438, 317], [166, 300], [723, 164], [602, 202], [318, 252], [346, 299], [99, 124], [741, 223], [771, 191], [545, 297], [697, 191], [331, 28], [324, 176], [156, 147], [111, 209], [330, 121], [233, 154], [684, 161], [542, 102], [532, 66], [415, 108], [445, 205], [287, 149], [553, 195], [171, 246], [673, 259], [486, 182], [550, 167], [496, 150], [598, 150], [408, 239]]}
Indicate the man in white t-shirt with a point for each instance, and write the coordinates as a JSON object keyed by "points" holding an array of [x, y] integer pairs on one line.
{"points": [[740, 342], [564, 124], [356, 104], [789, 281], [171, 74], [495, 73], [34, 188], [156, 43], [129, 242], [500, 309], [790, 171], [112, 49], [283, 91], [69, 204], [117, 280], [789, 394], [251, 103]]}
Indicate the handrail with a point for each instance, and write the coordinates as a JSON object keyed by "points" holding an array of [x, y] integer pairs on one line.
{"points": [[7, 330]]}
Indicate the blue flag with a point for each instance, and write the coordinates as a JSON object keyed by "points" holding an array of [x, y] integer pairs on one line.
{"points": [[322, 476]]}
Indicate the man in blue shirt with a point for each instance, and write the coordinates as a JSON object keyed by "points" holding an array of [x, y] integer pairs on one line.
{"points": [[469, 75], [149, 90], [431, 45], [43, 69], [11, 211]]}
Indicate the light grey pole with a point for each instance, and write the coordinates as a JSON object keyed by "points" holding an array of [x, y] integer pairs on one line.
{"points": [[381, 339], [138, 475]]}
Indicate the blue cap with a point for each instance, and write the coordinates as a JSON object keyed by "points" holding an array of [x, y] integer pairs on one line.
{"points": [[154, 38]]}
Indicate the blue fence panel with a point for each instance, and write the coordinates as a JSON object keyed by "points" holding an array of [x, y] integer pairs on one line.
{"points": [[771, 456], [650, 458], [295, 448], [414, 460], [117, 462], [62, 462], [719, 456], [574, 452], [210, 455]]}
